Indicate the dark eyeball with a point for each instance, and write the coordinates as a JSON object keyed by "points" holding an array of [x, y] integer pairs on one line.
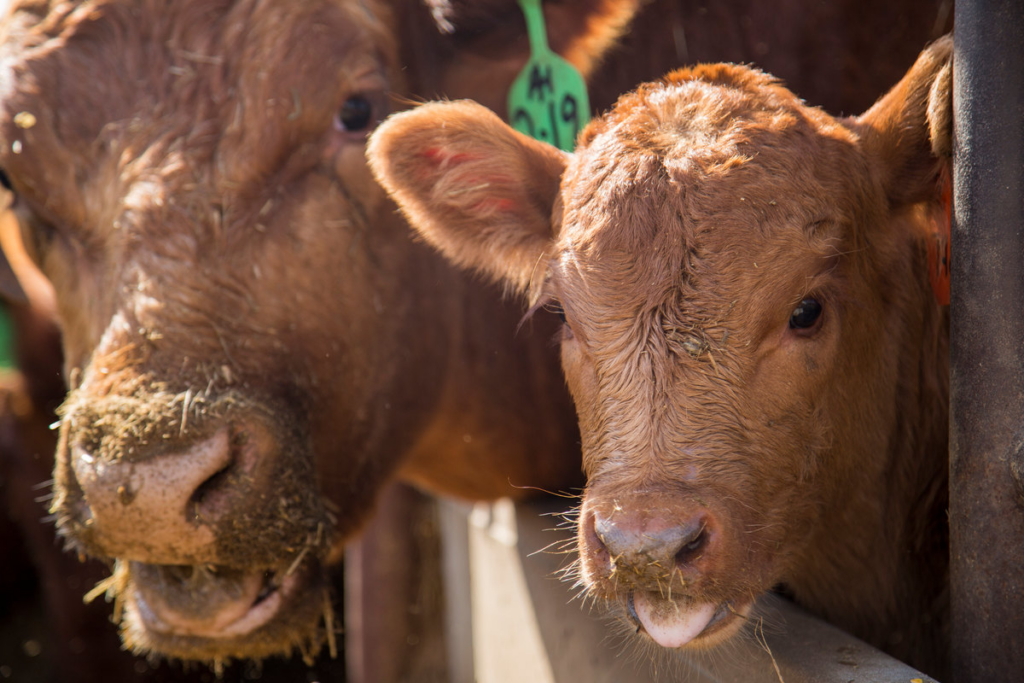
{"points": [[5, 181], [356, 114], [557, 309], [805, 315]]}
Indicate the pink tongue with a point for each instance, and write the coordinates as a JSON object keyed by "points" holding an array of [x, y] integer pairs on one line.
{"points": [[672, 624]]}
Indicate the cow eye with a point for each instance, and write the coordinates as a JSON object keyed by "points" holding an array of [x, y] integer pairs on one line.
{"points": [[356, 114], [5, 181], [805, 315]]}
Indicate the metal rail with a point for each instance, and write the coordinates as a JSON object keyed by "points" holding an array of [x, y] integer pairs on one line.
{"points": [[524, 624]]}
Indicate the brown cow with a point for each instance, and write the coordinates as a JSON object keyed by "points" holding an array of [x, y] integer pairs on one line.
{"points": [[757, 358], [47, 632], [254, 343]]}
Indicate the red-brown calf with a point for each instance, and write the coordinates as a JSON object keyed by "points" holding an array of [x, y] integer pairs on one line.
{"points": [[756, 356]]}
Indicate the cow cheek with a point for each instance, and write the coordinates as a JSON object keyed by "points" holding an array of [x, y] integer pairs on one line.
{"points": [[789, 431], [581, 378], [356, 354], [79, 300], [355, 177]]}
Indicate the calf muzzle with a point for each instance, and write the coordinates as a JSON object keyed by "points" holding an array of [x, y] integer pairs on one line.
{"points": [[663, 556], [644, 540]]}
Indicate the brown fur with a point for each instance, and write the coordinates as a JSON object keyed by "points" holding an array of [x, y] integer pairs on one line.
{"points": [[174, 188], [838, 55], [689, 224], [76, 639]]}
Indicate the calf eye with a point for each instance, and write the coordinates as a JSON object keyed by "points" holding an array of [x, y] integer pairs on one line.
{"points": [[5, 181], [356, 114], [555, 307], [805, 315]]}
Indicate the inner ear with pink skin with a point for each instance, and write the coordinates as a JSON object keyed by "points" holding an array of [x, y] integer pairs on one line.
{"points": [[478, 191]]}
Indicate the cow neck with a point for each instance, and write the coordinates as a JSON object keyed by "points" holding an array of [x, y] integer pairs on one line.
{"points": [[504, 419]]}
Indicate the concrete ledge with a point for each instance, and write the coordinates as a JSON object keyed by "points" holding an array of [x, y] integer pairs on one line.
{"points": [[518, 622]]}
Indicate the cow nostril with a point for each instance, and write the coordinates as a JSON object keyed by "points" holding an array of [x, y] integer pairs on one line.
{"points": [[206, 501], [224, 488], [180, 573]]}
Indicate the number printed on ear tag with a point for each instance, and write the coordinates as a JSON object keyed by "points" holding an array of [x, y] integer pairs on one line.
{"points": [[548, 100]]}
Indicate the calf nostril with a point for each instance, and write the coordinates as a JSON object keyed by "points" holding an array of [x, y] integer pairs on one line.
{"points": [[692, 547], [595, 529]]}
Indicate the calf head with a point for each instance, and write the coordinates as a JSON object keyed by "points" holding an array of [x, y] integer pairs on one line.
{"points": [[757, 360], [251, 339]]}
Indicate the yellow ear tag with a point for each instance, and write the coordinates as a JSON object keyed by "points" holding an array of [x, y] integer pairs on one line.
{"points": [[548, 100]]}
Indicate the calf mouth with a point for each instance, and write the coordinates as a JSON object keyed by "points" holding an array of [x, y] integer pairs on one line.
{"points": [[684, 623], [215, 614]]}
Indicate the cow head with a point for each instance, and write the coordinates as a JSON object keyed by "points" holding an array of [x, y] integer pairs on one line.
{"points": [[750, 339], [253, 343]]}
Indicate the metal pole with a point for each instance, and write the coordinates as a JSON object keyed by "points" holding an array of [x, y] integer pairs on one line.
{"points": [[987, 349]]}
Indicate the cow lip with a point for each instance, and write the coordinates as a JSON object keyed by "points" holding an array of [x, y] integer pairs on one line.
{"points": [[273, 595]]}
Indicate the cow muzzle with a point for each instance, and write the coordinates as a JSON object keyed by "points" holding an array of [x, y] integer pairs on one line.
{"points": [[217, 527], [213, 502], [157, 510]]}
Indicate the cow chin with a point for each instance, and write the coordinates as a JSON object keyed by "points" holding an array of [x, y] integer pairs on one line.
{"points": [[215, 615]]}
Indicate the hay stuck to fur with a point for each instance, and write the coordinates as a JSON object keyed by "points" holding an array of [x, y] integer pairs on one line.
{"points": [[285, 530]]}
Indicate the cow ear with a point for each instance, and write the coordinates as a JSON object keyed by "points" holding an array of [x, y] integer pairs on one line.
{"points": [[476, 48], [580, 31], [11, 290], [909, 130], [480, 192], [10, 287]]}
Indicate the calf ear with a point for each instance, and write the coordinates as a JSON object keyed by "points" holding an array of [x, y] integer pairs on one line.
{"points": [[480, 192], [909, 130]]}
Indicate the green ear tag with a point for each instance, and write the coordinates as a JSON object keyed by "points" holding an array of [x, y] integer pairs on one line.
{"points": [[6, 340], [548, 100]]}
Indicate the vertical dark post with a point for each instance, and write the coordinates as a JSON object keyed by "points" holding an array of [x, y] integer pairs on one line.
{"points": [[987, 392], [394, 607]]}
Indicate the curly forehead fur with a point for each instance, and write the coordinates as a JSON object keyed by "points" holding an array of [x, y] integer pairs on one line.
{"points": [[668, 174], [223, 125]]}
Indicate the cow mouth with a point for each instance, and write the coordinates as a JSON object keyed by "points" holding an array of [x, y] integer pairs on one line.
{"points": [[236, 603], [682, 622], [216, 614]]}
